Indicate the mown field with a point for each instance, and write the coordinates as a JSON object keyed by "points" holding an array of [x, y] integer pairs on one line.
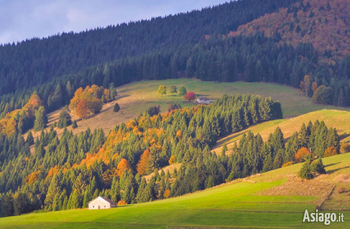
{"points": [[137, 97], [261, 201], [333, 118]]}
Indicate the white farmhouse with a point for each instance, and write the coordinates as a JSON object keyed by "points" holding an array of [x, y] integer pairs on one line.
{"points": [[101, 203], [203, 100]]}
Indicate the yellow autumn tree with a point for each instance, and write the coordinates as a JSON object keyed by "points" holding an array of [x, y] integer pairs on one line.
{"points": [[123, 165]]}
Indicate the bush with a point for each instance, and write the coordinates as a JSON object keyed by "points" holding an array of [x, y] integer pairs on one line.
{"points": [[287, 164], [305, 171], [342, 190], [153, 110], [74, 125], [172, 89], [116, 107], [182, 91], [162, 90], [318, 167], [174, 107]]}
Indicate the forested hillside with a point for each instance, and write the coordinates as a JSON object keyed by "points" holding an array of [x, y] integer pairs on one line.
{"points": [[46, 65], [202, 48], [34, 62], [325, 24], [67, 172]]}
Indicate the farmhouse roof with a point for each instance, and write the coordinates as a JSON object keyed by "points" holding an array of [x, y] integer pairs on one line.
{"points": [[105, 199], [203, 98]]}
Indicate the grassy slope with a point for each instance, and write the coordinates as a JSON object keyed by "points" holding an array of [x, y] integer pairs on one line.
{"points": [[229, 205], [333, 118], [139, 96]]}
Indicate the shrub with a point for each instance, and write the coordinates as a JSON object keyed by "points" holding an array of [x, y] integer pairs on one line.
{"points": [[172, 89], [342, 190], [305, 171], [190, 96], [153, 110], [318, 167], [121, 203], [116, 107], [182, 91], [74, 125], [162, 90], [174, 107], [172, 159], [287, 164]]}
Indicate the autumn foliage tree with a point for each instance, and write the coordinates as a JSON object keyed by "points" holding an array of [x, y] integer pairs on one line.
{"points": [[330, 151], [122, 166], [83, 109], [94, 96], [301, 154], [95, 106], [190, 96], [142, 165]]}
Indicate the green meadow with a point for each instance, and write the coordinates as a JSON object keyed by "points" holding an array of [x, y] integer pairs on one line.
{"points": [[238, 204]]}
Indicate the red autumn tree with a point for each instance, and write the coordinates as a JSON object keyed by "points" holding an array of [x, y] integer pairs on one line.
{"points": [[302, 153], [83, 109], [190, 96], [142, 165], [123, 165]]}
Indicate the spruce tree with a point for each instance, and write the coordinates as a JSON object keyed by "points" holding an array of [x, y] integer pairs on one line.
{"points": [[40, 119], [305, 171]]}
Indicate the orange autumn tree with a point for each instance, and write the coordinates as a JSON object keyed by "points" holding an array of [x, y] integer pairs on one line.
{"points": [[9, 124], [330, 151], [142, 165], [95, 96], [123, 165], [83, 109], [302, 153]]}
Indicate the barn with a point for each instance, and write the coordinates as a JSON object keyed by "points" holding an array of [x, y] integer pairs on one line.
{"points": [[101, 203], [204, 100]]}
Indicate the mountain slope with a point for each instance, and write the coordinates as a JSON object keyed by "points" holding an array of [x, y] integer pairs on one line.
{"points": [[242, 203], [325, 24], [333, 118], [33, 62]]}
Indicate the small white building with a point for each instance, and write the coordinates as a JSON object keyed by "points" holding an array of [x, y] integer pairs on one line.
{"points": [[101, 203], [204, 100]]}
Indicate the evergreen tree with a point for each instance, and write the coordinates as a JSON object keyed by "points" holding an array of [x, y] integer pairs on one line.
{"points": [[40, 119]]}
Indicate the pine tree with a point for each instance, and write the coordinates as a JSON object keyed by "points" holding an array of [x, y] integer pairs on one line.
{"points": [[30, 138], [318, 167], [305, 171], [40, 119]]}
